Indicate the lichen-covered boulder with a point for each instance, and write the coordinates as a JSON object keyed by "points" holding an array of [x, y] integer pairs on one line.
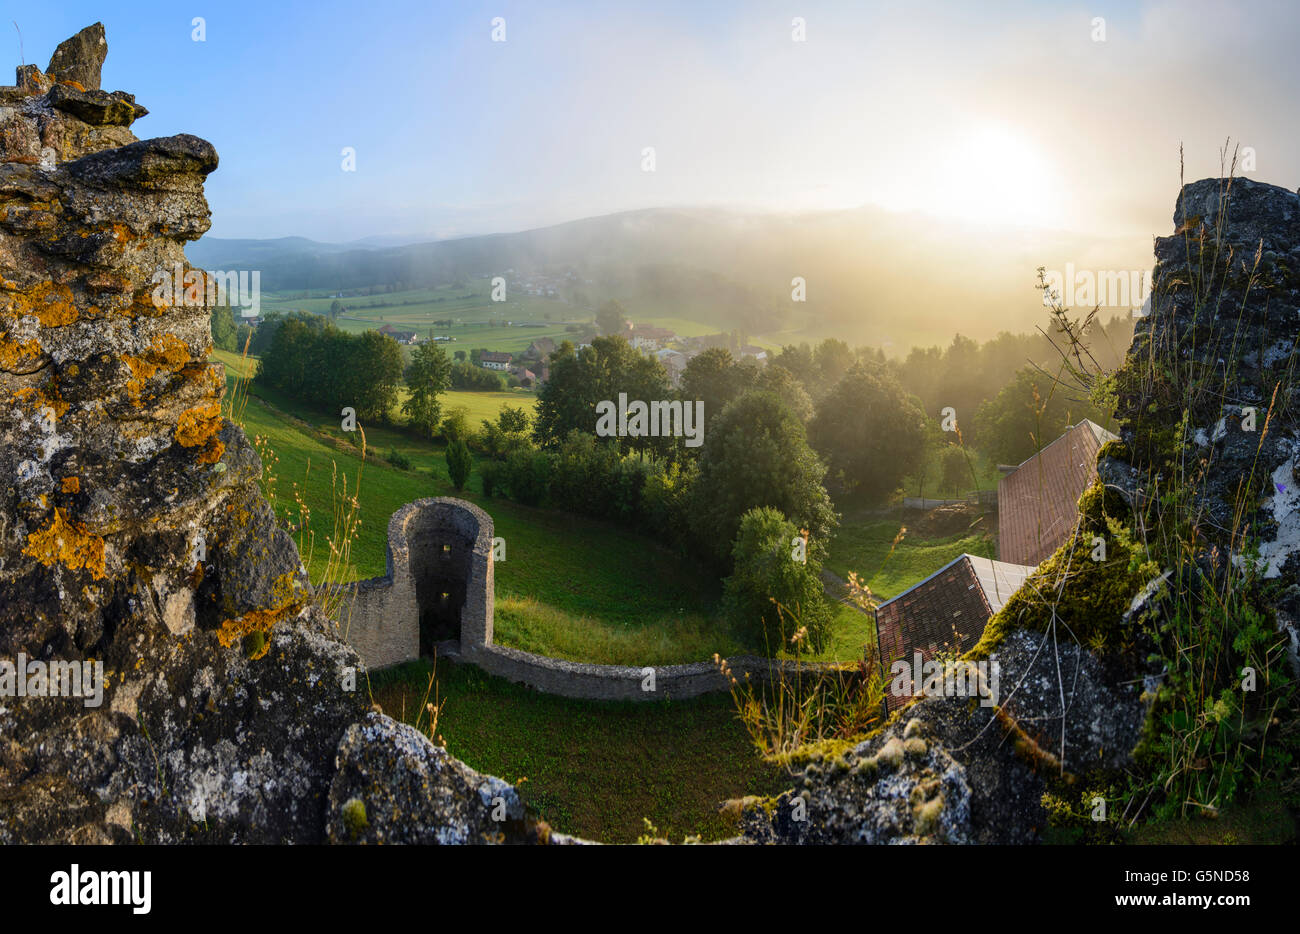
{"points": [[904, 789], [133, 532], [393, 786]]}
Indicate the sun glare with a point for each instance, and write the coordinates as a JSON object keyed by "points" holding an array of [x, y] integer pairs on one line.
{"points": [[987, 174]]}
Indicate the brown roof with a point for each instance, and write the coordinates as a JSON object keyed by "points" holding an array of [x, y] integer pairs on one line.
{"points": [[1038, 503], [945, 612]]}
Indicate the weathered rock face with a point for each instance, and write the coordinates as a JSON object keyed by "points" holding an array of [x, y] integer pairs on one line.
{"points": [[1220, 341], [132, 529], [949, 770]]}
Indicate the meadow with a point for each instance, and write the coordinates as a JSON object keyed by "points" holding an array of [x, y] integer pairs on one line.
{"points": [[574, 588], [469, 307], [595, 769]]}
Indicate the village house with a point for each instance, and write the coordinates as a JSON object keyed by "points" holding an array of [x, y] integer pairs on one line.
{"points": [[540, 349], [494, 360], [946, 612], [1038, 501], [674, 362], [402, 337]]}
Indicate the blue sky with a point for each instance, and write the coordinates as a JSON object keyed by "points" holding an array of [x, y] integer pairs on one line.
{"points": [[951, 109]]}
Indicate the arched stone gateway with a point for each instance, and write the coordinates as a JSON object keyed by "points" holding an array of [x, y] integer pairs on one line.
{"points": [[437, 589]]}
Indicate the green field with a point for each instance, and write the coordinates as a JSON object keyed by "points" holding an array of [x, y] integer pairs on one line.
{"points": [[593, 769], [864, 548], [470, 307], [481, 405]]}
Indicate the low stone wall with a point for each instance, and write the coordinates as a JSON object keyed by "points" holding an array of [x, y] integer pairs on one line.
{"points": [[445, 544], [617, 682]]}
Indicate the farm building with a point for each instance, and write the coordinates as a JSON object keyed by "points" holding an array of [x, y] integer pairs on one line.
{"points": [[945, 612], [1038, 501]]}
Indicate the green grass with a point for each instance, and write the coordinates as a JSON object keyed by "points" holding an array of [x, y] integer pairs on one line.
{"points": [[588, 768], [570, 587], [470, 307], [863, 547], [481, 405]]}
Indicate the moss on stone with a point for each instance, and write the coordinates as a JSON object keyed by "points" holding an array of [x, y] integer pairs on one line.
{"points": [[354, 818]]}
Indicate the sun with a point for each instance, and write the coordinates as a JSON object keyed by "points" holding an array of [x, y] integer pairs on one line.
{"points": [[996, 176]]}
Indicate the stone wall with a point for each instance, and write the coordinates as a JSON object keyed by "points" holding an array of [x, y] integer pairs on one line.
{"points": [[435, 546], [444, 546], [617, 682]]}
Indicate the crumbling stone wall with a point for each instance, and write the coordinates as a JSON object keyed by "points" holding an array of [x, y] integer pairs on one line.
{"points": [[436, 546]]}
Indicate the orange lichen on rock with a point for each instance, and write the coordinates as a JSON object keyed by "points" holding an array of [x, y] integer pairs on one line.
{"points": [[169, 352], [13, 353], [166, 352], [68, 543], [52, 304], [71, 485], [199, 425], [233, 631]]}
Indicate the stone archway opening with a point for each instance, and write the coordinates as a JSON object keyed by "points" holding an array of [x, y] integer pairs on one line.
{"points": [[440, 555]]}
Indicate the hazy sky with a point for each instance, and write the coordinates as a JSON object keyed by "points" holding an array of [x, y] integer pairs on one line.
{"points": [[996, 112]]}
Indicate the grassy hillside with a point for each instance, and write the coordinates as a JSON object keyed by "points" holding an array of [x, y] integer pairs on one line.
{"points": [[864, 548], [565, 587], [593, 769]]}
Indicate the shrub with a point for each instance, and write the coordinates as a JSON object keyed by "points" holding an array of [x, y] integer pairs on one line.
{"points": [[526, 475], [455, 425], [458, 463], [398, 459], [490, 474], [771, 599]]}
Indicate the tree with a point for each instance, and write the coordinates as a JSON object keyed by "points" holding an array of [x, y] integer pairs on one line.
{"points": [[458, 463], [223, 328], [611, 317], [776, 378], [579, 380], [869, 430], [756, 454], [774, 597], [1029, 413], [956, 468], [336, 308], [428, 375], [512, 419], [455, 424], [833, 359], [714, 379]]}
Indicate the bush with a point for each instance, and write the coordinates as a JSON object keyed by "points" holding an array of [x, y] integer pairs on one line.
{"points": [[772, 597], [458, 463], [490, 474], [526, 476], [455, 425], [398, 459]]}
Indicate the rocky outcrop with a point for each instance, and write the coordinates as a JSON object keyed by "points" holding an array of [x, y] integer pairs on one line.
{"points": [[133, 531], [1080, 674]]}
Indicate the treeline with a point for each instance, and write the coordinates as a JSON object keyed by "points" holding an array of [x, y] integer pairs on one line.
{"points": [[331, 369]]}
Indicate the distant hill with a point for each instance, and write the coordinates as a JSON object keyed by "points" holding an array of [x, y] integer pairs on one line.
{"points": [[872, 276]]}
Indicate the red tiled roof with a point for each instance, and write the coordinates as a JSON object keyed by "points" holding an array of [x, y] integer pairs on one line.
{"points": [[1039, 502], [945, 612]]}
